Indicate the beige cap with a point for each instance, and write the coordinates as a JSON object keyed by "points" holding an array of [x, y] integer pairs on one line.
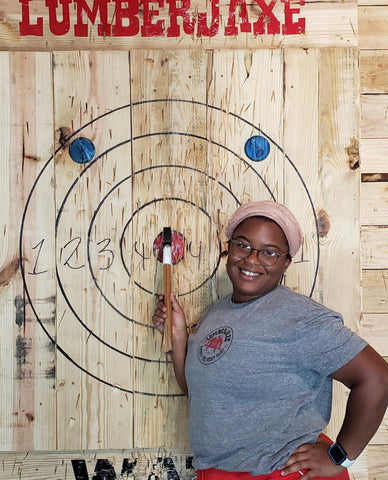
{"points": [[277, 212]]}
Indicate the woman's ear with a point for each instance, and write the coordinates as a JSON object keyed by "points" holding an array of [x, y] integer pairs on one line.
{"points": [[288, 262]]}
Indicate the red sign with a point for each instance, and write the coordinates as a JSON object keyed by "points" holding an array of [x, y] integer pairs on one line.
{"points": [[140, 17]]}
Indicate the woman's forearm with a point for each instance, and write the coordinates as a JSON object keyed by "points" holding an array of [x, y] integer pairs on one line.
{"points": [[179, 361], [364, 412], [367, 400]]}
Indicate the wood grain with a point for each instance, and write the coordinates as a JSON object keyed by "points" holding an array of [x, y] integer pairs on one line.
{"points": [[301, 107], [374, 157], [374, 118], [373, 71], [374, 328], [29, 355], [328, 24], [9, 256], [374, 247], [372, 32], [374, 203], [94, 336], [136, 464], [337, 191], [374, 291]]}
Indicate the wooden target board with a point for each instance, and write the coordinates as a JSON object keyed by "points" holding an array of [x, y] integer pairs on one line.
{"points": [[101, 151]]}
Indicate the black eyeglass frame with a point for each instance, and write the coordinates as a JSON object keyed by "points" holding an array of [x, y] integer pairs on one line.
{"points": [[233, 241]]}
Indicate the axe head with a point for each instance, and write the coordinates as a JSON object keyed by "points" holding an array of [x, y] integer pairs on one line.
{"points": [[166, 236]]}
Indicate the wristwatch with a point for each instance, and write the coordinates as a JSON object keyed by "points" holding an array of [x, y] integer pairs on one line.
{"points": [[339, 456]]}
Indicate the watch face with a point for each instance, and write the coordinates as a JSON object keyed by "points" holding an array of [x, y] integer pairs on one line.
{"points": [[337, 454]]}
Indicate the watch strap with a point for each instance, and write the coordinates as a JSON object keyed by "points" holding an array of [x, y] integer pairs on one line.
{"points": [[346, 463]]}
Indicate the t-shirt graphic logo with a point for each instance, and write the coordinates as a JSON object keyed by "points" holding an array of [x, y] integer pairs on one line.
{"points": [[215, 345]]}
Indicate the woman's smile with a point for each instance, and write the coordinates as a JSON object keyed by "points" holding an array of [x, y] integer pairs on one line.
{"points": [[249, 273]]}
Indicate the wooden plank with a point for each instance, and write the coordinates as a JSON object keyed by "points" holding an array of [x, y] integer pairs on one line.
{"points": [[380, 438], [29, 140], [45, 291], [359, 470], [301, 107], [69, 423], [170, 189], [135, 464], [94, 333], [332, 159], [153, 414], [24, 331], [373, 71], [372, 3], [369, 465], [374, 328], [141, 464], [309, 24], [372, 31], [374, 155], [9, 259], [374, 119], [338, 106], [374, 247], [337, 196], [377, 462], [374, 203], [374, 291]]}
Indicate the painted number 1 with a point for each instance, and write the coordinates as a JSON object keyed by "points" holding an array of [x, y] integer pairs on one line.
{"points": [[39, 247]]}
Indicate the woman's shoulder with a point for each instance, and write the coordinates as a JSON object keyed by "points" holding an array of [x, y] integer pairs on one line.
{"points": [[295, 301], [218, 305]]}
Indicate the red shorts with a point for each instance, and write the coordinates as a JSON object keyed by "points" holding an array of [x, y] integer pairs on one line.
{"points": [[215, 474]]}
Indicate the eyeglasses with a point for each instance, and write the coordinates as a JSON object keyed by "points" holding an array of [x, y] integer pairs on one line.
{"points": [[265, 256]]}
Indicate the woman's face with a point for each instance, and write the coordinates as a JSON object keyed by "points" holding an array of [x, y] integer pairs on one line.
{"points": [[250, 279]]}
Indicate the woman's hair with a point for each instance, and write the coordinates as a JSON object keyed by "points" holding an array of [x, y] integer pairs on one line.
{"points": [[276, 212]]}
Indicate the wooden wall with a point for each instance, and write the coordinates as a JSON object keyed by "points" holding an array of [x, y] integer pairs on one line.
{"points": [[84, 387], [373, 44]]}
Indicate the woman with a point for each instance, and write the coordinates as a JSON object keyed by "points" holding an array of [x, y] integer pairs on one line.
{"points": [[259, 367]]}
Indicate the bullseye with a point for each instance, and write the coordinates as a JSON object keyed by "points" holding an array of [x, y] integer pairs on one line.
{"points": [[177, 247]]}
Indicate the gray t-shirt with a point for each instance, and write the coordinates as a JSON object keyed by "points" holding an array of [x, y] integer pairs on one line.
{"points": [[258, 382]]}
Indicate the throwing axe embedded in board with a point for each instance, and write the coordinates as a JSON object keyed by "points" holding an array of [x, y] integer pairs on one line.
{"points": [[167, 263]]}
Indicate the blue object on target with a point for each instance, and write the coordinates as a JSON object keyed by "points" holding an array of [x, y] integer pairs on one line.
{"points": [[257, 148], [82, 150]]}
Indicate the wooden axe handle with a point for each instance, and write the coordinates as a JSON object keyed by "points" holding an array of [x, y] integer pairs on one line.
{"points": [[167, 336]]}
